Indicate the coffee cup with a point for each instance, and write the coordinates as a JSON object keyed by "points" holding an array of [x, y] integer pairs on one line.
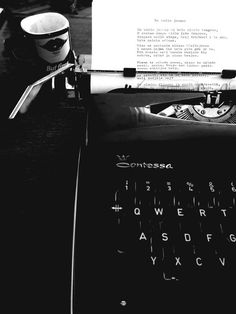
{"points": [[50, 35]]}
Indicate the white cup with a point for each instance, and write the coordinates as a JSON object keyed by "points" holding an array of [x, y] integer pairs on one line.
{"points": [[51, 36]]}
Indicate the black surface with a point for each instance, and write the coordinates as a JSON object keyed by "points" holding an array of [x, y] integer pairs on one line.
{"points": [[106, 281], [38, 164], [103, 277]]}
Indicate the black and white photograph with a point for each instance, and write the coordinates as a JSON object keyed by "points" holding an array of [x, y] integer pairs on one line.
{"points": [[118, 174]]}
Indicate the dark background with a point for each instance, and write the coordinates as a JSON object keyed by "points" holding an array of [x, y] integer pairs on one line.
{"points": [[38, 164]]}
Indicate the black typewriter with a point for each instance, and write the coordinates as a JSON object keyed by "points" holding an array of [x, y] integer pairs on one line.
{"points": [[155, 226]]}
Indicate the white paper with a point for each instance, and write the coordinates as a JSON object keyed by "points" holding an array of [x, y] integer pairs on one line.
{"points": [[103, 83], [169, 36]]}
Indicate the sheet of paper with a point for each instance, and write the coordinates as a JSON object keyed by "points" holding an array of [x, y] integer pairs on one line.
{"points": [[169, 36], [103, 83]]}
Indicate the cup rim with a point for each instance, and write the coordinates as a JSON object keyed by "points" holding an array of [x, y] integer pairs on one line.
{"points": [[58, 31]]}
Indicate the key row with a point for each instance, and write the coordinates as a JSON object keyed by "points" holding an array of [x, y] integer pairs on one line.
{"points": [[174, 185]]}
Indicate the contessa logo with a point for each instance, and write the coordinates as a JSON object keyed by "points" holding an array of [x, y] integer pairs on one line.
{"points": [[123, 162]]}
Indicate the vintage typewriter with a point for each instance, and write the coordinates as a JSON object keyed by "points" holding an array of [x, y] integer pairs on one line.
{"points": [[154, 225]]}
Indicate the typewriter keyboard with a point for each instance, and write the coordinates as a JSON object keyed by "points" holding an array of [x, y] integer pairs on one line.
{"points": [[179, 229]]}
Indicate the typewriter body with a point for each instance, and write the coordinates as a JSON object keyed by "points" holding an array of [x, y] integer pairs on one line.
{"points": [[155, 214]]}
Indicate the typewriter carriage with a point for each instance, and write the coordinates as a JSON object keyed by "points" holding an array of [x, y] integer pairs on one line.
{"points": [[218, 107]]}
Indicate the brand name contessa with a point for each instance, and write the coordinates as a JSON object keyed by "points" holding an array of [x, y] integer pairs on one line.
{"points": [[125, 164]]}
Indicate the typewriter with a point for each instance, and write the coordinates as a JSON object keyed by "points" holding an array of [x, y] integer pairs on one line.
{"points": [[154, 227]]}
